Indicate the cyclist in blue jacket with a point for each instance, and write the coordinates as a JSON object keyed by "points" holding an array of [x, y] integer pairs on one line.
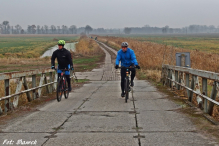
{"points": [[128, 59]]}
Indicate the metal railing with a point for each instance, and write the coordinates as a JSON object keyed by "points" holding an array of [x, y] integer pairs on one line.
{"points": [[43, 77], [188, 78]]}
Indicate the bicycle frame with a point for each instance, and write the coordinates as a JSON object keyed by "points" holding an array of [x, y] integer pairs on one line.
{"points": [[127, 83], [61, 85]]}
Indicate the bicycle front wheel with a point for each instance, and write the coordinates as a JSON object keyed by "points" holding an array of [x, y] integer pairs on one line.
{"points": [[59, 89], [126, 89], [66, 91]]}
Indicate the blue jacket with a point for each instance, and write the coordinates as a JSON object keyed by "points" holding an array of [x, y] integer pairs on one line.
{"points": [[127, 58]]}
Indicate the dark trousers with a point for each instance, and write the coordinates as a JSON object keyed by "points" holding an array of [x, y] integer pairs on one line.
{"points": [[123, 75], [67, 78]]}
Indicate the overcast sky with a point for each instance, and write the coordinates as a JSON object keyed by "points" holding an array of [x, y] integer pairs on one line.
{"points": [[110, 13]]}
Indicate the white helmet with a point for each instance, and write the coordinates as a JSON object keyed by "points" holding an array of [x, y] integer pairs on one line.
{"points": [[124, 44]]}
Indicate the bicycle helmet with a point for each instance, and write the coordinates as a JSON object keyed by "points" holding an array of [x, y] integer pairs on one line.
{"points": [[61, 42], [124, 44]]}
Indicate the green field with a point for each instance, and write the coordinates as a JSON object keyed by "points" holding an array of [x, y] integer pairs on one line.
{"points": [[202, 42], [29, 46]]}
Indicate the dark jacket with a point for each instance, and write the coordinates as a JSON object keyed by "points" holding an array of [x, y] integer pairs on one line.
{"points": [[64, 58]]}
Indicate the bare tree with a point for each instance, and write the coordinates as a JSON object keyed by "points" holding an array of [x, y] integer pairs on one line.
{"points": [[33, 29], [42, 30], [73, 29], [46, 28], [127, 30], [58, 28], [88, 29], [6, 27], [64, 29], [29, 29], [1, 28], [53, 28], [38, 29], [22, 31], [18, 29]]}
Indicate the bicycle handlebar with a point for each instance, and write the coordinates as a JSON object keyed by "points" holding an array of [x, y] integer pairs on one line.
{"points": [[62, 69], [126, 67]]}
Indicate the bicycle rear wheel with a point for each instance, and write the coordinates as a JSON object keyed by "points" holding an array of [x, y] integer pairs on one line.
{"points": [[59, 89], [126, 89], [66, 91]]}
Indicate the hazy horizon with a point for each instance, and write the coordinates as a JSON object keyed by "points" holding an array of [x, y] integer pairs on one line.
{"points": [[110, 14]]}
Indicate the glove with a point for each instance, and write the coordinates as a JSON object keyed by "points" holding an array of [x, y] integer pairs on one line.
{"points": [[72, 68], [138, 67], [116, 67], [52, 67]]}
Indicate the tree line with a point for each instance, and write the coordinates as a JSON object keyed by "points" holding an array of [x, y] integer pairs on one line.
{"points": [[6, 28], [191, 29]]}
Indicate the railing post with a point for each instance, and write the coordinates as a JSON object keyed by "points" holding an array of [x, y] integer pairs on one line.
{"points": [[168, 75], [71, 74], [180, 79], [170, 82], [192, 87], [41, 83], [174, 79], [55, 80], [33, 86], [45, 81], [204, 92], [50, 79], [177, 79], [198, 90], [187, 84], [213, 96], [26, 88], [7, 104], [18, 89]]}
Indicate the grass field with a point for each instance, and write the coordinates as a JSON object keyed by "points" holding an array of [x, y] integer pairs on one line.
{"points": [[202, 42], [29, 46]]}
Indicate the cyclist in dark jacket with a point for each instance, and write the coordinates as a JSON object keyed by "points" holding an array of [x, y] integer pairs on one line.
{"points": [[64, 61], [128, 59]]}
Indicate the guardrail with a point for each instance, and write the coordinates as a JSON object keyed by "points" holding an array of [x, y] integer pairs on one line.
{"points": [[188, 78], [43, 77]]}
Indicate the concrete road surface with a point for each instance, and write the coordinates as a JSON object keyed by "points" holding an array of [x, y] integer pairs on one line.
{"points": [[96, 115]]}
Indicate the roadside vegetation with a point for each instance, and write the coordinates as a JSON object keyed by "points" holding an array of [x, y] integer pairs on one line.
{"points": [[88, 55], [203, 42], [29, 46], [89, 52]]}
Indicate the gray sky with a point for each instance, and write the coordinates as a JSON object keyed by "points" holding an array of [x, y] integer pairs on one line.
{"points": [[110, 13]]}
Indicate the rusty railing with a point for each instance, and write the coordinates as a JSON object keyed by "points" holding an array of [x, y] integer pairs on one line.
{"points": [[43, 77], [188, 78]]}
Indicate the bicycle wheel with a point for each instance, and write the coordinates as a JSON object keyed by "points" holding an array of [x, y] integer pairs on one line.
{"points": [[66, 91], [126, 89], [59, 89]]}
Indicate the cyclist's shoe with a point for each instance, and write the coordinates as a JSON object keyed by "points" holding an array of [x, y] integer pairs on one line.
{"points": [[132, 83], [122, 94], [69, 89]]}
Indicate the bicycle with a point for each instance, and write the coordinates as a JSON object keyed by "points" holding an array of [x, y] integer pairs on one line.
{"points": [[62, 86], [127, 84]]}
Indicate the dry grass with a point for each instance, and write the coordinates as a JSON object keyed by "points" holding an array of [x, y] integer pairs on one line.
{"points": [[24, 61], [87, 47], [151, 55]]}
